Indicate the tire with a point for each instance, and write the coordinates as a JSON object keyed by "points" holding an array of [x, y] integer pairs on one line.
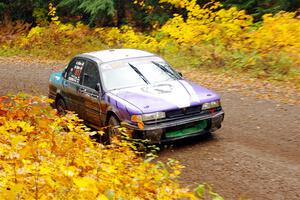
{"points": [[61, 106], [112, 131]]}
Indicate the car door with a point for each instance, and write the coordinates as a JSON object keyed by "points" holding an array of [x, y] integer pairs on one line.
{"points": [[91, 97], [71, 86]]}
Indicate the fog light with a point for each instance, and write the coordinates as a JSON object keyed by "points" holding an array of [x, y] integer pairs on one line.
{"points": [[154, 135]]}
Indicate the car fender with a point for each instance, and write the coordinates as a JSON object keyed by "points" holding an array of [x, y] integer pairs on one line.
{"points": [[120, 107], [113, 111]]}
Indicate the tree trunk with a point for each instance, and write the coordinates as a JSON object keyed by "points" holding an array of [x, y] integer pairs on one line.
{"points": [[124, 13], [129, 13], [6, 16]]}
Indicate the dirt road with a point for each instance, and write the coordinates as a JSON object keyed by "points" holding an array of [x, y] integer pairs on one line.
{"points": [[256, 154]]}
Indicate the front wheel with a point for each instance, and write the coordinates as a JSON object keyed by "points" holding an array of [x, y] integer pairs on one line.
{"points": [[112, 130], [114, 124]]}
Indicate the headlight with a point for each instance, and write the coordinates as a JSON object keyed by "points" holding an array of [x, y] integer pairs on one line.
{"points": [[148, 117], [213, 104]]}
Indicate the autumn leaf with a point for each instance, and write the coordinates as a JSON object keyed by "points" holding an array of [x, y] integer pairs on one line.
{"points": [[18, 139], [44, 123], [1, 99], [3, 112]]}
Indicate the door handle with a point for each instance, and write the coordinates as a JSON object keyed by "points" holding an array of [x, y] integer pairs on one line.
{"points": [[82, 90], [94, 96], [85, 92]]}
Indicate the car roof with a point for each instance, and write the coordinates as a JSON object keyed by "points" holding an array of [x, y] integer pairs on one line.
{"points": [[117, 54]]}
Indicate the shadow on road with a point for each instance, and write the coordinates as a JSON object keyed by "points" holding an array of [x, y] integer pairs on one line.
{"points": [[188, 142]]}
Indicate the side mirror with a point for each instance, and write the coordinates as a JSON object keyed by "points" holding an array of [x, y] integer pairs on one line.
{"points": [[85, 75], [98, 87]]}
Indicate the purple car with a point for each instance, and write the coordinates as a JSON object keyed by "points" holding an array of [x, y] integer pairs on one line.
{"points": [[138, 90]]}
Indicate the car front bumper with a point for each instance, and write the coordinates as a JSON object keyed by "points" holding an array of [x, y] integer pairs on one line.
{"points": [[158, 132]]}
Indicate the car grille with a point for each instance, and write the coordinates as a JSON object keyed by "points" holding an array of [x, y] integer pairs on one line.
{"points": [[186, 129], [180, 127], [183, 111]]}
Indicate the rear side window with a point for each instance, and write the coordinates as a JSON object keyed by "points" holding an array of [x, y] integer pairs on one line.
{"points": [[91, 75], [75, 70]]}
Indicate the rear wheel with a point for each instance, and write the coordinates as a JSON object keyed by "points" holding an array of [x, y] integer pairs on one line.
{"points": [[61, 106]]}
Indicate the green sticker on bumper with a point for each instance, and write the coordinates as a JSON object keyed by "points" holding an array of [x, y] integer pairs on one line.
{"points": [[187, 131]]}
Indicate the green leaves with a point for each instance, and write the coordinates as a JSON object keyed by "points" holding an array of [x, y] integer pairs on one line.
{"points": [[95, 9], [206, 191], [259, 8]]}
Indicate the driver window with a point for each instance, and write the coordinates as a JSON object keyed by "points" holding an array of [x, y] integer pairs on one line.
{"points": [[91, 75]]}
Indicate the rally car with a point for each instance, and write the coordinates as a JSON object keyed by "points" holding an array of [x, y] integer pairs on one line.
{"points": [[138, 90]]}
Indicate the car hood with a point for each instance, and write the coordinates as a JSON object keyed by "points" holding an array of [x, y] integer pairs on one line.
{"points": [[166, 96]]}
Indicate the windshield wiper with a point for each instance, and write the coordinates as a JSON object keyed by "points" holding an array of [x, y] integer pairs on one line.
{"points": [[165, 70], [139, 73]]}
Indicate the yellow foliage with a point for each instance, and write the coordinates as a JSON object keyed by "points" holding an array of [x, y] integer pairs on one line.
{"points": [[278, 32], [206, 25], [46, 156], [35, 31], [52, 14]]}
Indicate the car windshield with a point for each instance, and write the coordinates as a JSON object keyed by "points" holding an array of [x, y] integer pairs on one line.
{"points": [[135, 72]]}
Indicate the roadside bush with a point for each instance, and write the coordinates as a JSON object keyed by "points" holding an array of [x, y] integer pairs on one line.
{"points": [[12, 32], [45, 156], [228, 38]]}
